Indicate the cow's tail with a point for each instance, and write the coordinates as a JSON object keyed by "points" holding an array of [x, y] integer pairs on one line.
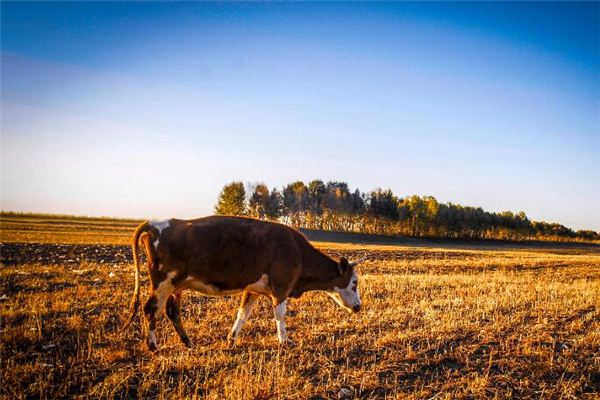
{"points": [[142, 229]]}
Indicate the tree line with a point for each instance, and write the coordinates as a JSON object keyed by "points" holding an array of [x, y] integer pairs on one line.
{"points": [[333, 206]]}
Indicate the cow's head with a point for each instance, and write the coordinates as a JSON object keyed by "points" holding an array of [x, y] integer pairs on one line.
{"points": [[345, 291]]}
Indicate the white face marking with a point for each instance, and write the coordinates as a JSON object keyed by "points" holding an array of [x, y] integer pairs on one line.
{"points": [[347, 297], [280, 311]]}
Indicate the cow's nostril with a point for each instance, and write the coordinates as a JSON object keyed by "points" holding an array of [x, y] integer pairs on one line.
{"points": [[356, 308]]}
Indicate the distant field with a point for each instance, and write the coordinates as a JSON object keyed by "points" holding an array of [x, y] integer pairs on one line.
{"points": [[440, 320], [37, 228], [65, 229]]}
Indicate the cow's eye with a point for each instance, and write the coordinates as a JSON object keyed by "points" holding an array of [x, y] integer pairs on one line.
{"points": [[354, 286]]}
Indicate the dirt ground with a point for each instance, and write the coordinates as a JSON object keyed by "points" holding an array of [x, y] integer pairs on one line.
{"points": [[438, 322]]}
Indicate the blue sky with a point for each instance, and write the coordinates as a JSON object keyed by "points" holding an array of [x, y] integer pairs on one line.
{"points": [[148, 109]]}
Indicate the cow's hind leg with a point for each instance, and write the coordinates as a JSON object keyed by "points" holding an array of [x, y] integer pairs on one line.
{"points": [[155, 306], [174, 314], [243, 313], [150, 312]]}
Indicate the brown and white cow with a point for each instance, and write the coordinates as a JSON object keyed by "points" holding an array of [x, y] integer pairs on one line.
{"points": [[221, 255]]}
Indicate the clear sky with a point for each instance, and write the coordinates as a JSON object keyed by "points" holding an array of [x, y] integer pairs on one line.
{"points": [[148, 109]]}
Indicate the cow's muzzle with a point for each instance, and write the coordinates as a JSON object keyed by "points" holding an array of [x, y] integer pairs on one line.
{"points": [[356, 308]]}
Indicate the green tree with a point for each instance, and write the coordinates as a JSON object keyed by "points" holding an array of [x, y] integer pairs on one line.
{"points": [[332, 206], [338, 198], [383, 204], [275, 205], [358, 202], [232, 200], [316, 194], [295, 197], [259, 201]]}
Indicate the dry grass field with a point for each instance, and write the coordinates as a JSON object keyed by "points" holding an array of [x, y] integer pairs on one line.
{"points": [[439, 322]]}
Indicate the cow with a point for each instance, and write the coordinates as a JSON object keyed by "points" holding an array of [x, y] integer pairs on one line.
{"points": [[225, 255]]}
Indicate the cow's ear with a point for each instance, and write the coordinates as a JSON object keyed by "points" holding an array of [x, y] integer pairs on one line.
{"points": [[343, 266]]}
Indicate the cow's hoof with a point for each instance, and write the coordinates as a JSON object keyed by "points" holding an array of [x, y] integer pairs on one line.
{"points": [[287, 344], [187, 342], [231, 339], [152, 347]]}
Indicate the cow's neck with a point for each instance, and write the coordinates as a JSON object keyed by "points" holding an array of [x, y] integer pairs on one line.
{"points": [[319, 272]]}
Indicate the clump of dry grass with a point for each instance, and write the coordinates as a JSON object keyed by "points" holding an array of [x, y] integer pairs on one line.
{"points": [[473, 325]]}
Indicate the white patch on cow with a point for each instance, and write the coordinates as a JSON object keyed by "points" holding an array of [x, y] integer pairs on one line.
{"points": [[261, 286], [199, 286], [279, 312], [162, 292], [152, 338], [160, 225], [242, 315], [347, 297], [165, 289]]}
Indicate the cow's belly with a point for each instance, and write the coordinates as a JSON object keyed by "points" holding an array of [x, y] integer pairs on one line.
{"points": [[260, 287]]}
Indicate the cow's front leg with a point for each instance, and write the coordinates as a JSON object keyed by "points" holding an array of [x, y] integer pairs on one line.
{"points": [[243, 313], [279, 309], [174, 314]]}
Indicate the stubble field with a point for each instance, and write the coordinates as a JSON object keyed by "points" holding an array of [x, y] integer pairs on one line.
{"points": [[438, 321]]}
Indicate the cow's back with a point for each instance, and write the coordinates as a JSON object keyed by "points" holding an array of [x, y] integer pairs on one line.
{"points": [[229, 252]]}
